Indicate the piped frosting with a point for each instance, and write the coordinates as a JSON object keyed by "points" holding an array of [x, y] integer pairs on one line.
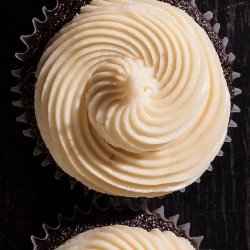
{"points": [[131, 99], [120, 237]]}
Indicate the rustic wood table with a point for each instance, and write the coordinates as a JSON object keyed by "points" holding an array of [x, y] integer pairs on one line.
{"points": [[218, 207]]}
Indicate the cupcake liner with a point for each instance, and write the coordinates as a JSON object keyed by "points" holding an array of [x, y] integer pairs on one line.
{"points": [[29, 132], [69, 227]]}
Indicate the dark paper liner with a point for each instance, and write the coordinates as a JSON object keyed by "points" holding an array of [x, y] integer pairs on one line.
{"points": [[96, 216], [35, 44]]}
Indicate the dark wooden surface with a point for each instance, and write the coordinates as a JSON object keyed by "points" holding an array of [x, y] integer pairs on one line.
{"points": [[218, 207]]}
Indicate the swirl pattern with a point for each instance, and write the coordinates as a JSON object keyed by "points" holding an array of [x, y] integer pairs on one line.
{"points": [[120, 237], [131, 99]]}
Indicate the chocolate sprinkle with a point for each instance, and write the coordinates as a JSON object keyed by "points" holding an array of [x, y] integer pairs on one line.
{"points": [[83, 222], [65, 11]]}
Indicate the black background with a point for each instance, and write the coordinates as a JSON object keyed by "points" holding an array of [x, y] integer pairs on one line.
{"points": [[218, 207]]}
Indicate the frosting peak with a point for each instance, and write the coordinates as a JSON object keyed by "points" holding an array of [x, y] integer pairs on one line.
{"points": [[117, 90]]}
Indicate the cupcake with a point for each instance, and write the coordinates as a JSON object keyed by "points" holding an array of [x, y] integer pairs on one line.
{"points": [[129, 97], [113, 229]]}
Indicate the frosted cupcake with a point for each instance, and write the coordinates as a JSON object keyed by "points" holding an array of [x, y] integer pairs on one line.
{"points": [[121, 230], [131, 98]]}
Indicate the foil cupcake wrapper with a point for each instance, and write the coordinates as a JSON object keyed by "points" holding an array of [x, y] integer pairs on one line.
{"points": [[50, 233], [27, 40]]}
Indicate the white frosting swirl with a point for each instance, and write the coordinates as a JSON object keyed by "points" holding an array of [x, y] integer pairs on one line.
{"points": [[120, 237], [131, 99]]}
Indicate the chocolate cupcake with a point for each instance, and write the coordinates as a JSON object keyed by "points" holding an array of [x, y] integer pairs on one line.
{"points": [[113, 229], [129, 97]]}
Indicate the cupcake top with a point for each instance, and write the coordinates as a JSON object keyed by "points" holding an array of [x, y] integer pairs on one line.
{"points": [[117, 229], [127, 238], [131, 99]]}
